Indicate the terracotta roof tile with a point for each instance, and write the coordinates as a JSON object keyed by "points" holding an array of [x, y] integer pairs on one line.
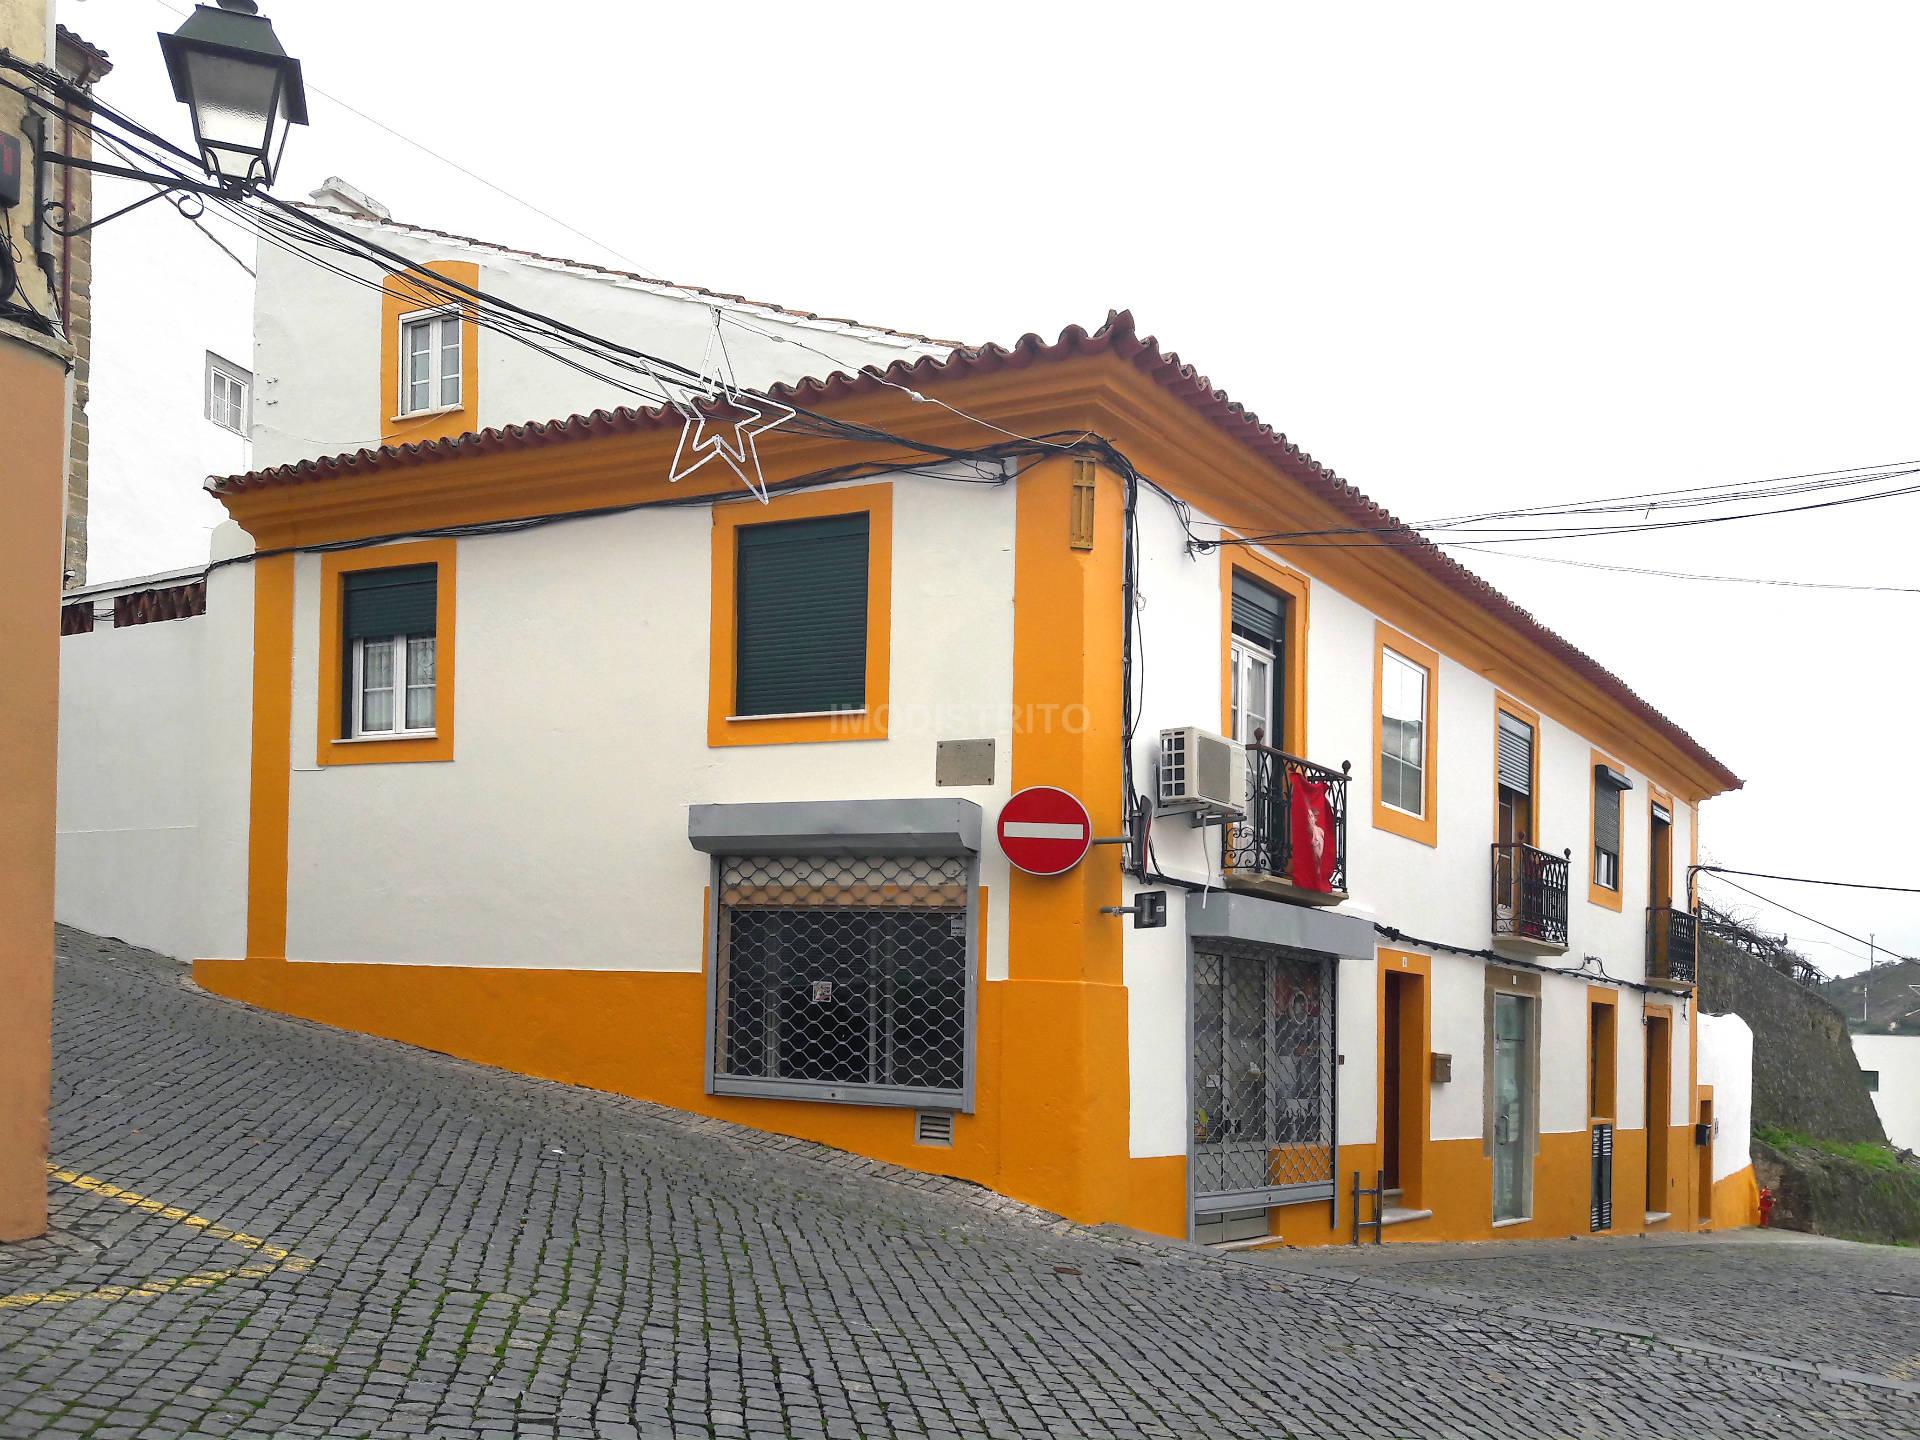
{"points": [[97, 61], [1119, 337]]}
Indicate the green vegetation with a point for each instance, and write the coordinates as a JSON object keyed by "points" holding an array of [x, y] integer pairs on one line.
{"points": [[1869, 1153]]}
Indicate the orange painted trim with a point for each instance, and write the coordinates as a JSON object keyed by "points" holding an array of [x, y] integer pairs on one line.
{"points": [[1600, 995], [1293, 585], [1412, 1165], [334, 568], [272, 764], [1503, 701], [1655, 795], [1200, 465], [723, 726], [1598, 894], [401, 297], [1423, 828]]}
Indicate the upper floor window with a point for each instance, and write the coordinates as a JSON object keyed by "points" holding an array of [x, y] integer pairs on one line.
{"points": [[229, 395], [801, 616], [429, 362], [1403, 734], [1406, 750], [1608, 785], [1258, 648], [1872, 1077], [391, 625]]}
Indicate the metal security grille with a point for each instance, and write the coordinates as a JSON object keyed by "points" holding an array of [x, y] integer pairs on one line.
{"points": [[1263, 1077], [1601, 1216], [843, 977]]}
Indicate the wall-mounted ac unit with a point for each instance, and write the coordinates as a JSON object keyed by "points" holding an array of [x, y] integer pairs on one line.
{"points": [[1202, 772]]}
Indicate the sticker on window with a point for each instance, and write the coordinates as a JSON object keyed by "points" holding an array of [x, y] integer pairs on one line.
{"points": [[822, 992]]}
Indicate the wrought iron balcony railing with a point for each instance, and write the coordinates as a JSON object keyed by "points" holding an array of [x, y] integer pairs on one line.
{"points": [[1530, 895], [1258, 852], [1673, 945]]}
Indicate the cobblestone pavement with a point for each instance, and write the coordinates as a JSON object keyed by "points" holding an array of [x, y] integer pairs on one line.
{"points": [[1772, 1292], [267, 1228]]}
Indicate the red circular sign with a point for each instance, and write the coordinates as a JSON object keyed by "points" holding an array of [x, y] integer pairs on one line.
{"points": [[1045, 831]]}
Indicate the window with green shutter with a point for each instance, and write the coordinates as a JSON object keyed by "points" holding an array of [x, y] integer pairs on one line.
{"points": [[801, 616], [390, 619]]}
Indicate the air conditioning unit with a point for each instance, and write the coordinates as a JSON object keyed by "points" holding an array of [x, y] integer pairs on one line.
{"points": [[1202, 772]]}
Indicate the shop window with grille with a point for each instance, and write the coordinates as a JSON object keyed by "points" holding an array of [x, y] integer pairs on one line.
{"points": [[844, 978]]}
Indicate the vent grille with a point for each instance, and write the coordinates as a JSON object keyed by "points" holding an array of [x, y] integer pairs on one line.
{"points": [[933, 1127]]}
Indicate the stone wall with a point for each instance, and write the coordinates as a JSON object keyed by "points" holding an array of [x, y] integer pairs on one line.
{"points": [[1805, 1077]]}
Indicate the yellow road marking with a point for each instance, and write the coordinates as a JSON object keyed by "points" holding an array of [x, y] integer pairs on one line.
{"points": [[149, 1289], [174, 1213]]}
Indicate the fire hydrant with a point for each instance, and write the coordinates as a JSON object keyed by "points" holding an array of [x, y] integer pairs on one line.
{"points": [[1766, 1207]]}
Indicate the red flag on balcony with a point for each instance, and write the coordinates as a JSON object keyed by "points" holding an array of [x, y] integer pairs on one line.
{"points": [[1312, 825]]}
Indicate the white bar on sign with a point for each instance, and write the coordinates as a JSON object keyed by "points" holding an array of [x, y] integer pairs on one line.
{"points": [[1041, 830]]}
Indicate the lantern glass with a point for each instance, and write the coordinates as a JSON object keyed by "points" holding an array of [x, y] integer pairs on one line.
{"points": [[243, 90], [235, 103]]}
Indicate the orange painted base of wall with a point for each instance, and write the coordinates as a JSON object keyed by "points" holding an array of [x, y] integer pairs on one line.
{"points": [[642, 1034], [1457, 1185], [1736, 1200]]}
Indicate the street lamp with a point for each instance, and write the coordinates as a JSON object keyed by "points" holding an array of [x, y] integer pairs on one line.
{"points": [[242, 89]]}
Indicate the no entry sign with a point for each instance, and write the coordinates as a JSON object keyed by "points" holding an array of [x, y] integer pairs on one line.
{"points": [[1045, 831]]}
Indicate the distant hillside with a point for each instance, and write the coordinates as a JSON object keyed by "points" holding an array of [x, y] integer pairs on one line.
{"points": [[1891, 995]]}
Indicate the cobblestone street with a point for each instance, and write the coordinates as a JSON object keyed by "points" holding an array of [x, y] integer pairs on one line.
{"points": [[267, 1228]]}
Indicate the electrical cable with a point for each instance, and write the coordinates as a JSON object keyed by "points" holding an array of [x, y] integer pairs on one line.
{"points": [[1811, 920], [1684, 574], [1805, 880]]}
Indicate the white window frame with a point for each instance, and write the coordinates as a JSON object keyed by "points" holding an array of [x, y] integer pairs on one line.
{"points": [[1391, 656], [436, 355], [1245, 654], [232, 375], [400, 687]]}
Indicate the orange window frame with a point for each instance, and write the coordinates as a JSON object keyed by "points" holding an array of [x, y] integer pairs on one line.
{"points": [[1293, 585], [333, 748], [1424, 828], [403, 296], [1598, 894], [868, 723]]}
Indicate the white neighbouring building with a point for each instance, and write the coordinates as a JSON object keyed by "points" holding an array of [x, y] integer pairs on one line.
{"points": [[507, 747]]}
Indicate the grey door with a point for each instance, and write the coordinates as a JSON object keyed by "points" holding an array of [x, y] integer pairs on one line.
{"points": [[1262, 1081]]}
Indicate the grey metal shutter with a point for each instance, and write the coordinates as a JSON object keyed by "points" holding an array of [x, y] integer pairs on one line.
{"points": [[801, 596], [1259, 614], [1606, 817], [1601, 1211], [1516, 754], [401, 601]]}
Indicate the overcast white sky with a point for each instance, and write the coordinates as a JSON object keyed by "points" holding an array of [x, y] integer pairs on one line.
{"points": [[1471, 256]]}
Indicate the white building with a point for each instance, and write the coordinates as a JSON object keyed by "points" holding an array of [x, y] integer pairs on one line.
{"points": [[1891, 1063], [713, 819]]}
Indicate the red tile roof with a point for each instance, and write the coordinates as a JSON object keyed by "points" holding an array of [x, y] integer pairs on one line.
{"points": [[1118, 337], [97, 62]]}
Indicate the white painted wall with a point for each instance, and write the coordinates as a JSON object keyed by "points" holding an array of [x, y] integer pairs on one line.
{"points": [[132, 773], [163, 296], [1726, 1063], [1897, 1058], [1438, 893], [557, 838], [319, 342]]}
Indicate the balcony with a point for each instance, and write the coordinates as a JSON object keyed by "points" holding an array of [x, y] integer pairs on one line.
{"points": [[1257, 853], [1530, 898], [1673, 948]]}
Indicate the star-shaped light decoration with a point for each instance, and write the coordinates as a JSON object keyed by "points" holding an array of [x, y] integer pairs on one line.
{"points": [[724, 423]]}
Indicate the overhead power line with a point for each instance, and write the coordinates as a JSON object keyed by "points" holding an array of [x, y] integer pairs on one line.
{"points": [[479, 179], [1810, 919], [1806, 880], [1683, 574]]}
